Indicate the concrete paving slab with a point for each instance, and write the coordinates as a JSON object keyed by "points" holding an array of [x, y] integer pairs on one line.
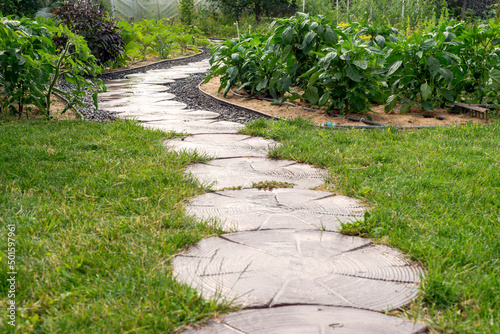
{"points": [[128, 98], [136, 103], [150, 77], [297, 209], [131, 90], [196, 127], [146, 109], [309, 320], [282, 267], [224, 145], [137, 86], [164, 117], [243, 172]]}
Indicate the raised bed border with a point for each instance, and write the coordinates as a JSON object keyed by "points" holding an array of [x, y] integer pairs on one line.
{"points": [[339, 127]]}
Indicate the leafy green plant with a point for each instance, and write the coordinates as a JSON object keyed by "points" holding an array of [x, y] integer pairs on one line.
{"points": [[24, 46], [327, 64], [418, 69], [478, 70], [159, 38], [75, 62], [30, 66], [88, 19]]}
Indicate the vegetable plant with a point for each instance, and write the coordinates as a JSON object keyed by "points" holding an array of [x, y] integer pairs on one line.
{"points": [[418, 70], [30, 66]]}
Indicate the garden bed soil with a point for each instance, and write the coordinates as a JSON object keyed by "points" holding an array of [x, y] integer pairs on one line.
{"points": [[320, 117], [57, 105]]}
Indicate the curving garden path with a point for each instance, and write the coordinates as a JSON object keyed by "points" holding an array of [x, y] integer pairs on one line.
{"points": [[282, 258]]}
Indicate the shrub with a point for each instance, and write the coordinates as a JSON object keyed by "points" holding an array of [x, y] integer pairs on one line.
{"points": [[88, 19]]}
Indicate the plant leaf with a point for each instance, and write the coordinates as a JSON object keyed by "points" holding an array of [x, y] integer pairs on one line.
{"points": [[446, 73], [391, 102], [330, 36], [380, 40], [495, 77], [406, 107], [353, 74], [262, 84], [312, 95], [324, 99], [446, 94], [394, 67], [362, 64], [314, 77], [287, 35], [235, 56], [426, 91]]}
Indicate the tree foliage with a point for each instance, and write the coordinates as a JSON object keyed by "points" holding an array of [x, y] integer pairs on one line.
{"points": [[21, 7], [236, 8]]}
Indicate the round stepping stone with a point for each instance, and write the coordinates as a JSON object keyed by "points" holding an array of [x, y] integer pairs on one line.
{"points": [[309, 320], [224, 145], [196, 127], [282, 267], [298, 209], [243, 172]]}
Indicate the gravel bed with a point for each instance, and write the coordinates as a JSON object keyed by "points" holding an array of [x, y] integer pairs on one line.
{"points": [[185, 90], [167, 63]]}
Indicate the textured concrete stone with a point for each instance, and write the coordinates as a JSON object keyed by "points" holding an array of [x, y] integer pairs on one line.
{"points": [[195, 127], [309, 320], [298, 209], [135, 102], [224, 145], [131, 99], [282, 267], [243, 172], [151, 77], [164, 117]]}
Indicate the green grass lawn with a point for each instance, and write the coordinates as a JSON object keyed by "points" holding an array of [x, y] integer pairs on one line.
{"points": [[433, 193], [98, 216]]}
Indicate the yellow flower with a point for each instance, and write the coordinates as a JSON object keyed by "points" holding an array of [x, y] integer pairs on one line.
{"points": [[343, 25]]}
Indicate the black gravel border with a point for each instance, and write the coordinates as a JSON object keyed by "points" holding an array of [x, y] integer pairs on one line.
{"points": [[185, 90], [163, 64]]}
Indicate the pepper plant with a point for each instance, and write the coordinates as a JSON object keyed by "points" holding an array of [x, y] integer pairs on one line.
{"points": [[352, 65], [418, 70], [478, 69], [30, 66]]}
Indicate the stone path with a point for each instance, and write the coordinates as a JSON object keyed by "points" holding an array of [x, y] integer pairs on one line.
{"points": [[282, 258]]}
